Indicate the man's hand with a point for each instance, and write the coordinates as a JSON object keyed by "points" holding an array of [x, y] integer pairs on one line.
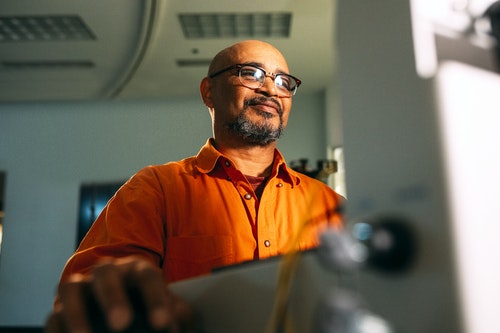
{"points": [[121, 295]]}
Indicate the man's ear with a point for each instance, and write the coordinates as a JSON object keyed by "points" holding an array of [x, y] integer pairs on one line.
{"points": [[206, 94]]}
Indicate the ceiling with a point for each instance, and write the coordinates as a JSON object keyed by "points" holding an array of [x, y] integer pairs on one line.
{"points": [[135, 49]]}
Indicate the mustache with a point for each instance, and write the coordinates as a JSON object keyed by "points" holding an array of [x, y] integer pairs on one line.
{"points": [[264, 100]]}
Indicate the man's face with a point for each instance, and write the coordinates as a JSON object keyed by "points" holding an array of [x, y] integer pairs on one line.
{"points": [[258, 116]]}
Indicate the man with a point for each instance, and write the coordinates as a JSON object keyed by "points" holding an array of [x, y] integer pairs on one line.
{"points": [[235, 201]]}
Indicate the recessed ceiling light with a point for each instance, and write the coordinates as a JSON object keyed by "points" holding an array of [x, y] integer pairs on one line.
{"points": [[230, 25], [43, 28]]}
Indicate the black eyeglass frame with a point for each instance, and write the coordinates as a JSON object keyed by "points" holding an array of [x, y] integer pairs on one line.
{"points": [[266, 74]]}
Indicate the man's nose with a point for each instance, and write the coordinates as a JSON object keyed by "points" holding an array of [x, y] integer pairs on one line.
{"points": [[268, 86]]}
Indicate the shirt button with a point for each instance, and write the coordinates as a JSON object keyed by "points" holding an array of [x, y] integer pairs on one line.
{"points": [[248, 196], [227, 163], [267, 243], [279, 185]]}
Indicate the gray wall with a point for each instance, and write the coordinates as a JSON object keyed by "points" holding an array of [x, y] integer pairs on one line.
{"points": [[49, 149]]}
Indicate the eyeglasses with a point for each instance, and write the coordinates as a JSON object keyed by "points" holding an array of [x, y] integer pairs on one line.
{"points": [[254, 77]]}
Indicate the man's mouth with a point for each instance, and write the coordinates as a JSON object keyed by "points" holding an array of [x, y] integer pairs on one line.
{"points": [[266, 104]]}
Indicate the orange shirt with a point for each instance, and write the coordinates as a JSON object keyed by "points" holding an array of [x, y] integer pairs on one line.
{"points": [[200, 213]]}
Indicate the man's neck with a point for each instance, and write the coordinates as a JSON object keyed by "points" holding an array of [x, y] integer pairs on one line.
{"points": [[251, 160]]}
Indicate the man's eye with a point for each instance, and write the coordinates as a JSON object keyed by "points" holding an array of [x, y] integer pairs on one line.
{"points": [[283, 81], [249, 72]]}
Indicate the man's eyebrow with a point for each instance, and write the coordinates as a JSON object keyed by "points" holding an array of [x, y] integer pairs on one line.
{"points": [[261, 65]]}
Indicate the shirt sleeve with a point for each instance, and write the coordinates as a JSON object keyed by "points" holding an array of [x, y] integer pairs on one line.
{"points": [[131, 224]]}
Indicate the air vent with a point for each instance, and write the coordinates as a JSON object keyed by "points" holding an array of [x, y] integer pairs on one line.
{"points": [[43, 28], [56, 64], [243, 25], [193, 62]]}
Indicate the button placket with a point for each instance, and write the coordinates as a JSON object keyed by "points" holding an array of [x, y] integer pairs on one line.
{"points": [[267, 240], [243, 188]]}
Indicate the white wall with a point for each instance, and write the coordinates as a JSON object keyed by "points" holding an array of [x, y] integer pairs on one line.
{"points": [[49, 149]]}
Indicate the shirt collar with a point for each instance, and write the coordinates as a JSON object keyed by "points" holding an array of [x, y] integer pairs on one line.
{"points": [[208, 157]]}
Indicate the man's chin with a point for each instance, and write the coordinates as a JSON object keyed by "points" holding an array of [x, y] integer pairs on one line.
{"points": [[257, 128], [263, 136]]}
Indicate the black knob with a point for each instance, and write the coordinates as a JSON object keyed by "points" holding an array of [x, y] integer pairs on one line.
{"points": [[390, 241]]}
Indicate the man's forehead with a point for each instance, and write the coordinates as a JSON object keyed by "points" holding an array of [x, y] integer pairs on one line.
{"points": [[251, 52], [267, 67], [268, 59]]}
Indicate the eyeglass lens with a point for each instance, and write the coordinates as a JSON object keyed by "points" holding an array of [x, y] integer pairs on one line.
{"points": [[254, 77]]}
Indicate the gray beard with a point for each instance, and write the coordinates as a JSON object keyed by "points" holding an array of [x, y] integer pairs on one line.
{"points": [[255, 133]]}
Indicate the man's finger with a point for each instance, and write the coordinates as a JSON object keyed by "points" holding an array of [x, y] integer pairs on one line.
{"points": [[74, 310], [111, 295], [152, 289]]}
